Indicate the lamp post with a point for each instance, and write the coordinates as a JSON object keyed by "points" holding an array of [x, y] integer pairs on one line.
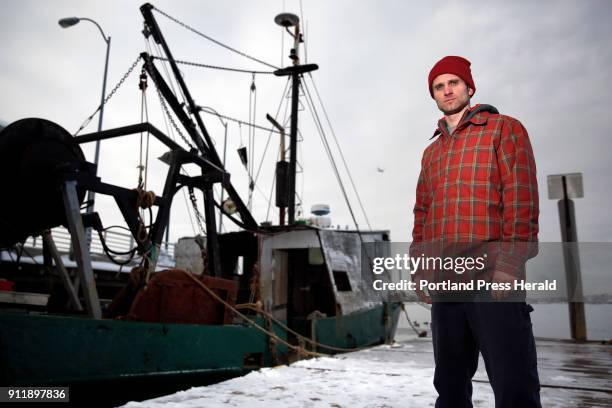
{"points": [[69, 22]]}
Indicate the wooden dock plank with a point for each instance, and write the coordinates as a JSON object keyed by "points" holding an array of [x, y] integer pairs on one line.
{"points": [[571, 375]]}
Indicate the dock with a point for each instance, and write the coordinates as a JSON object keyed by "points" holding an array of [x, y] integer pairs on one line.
{"points": [[400, 375]]}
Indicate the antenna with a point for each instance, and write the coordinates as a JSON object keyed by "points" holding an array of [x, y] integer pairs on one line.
{"points": [[291, 20]]}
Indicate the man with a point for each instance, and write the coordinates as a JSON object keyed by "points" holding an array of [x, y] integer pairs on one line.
{"points": [[478, 185]]}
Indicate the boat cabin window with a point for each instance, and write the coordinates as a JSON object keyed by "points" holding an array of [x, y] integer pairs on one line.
{"points": [[343, 284]]}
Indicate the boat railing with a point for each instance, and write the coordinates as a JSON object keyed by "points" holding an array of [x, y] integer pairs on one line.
{"points": [[116, 241]]}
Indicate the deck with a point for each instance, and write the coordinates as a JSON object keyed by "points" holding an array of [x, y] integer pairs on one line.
{"points": [[571, 375]]}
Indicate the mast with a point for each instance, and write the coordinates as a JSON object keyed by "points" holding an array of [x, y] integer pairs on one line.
{"points": [[296, 70], [203, 142]]}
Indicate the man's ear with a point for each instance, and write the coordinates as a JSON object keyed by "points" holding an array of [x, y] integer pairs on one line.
{"points": [[470, 91]]}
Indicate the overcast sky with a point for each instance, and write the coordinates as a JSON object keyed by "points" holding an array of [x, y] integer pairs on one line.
{"points": [[547, 63]]}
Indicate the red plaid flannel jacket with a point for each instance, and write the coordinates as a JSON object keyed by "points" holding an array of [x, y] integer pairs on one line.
{"points": [[479, 184]]}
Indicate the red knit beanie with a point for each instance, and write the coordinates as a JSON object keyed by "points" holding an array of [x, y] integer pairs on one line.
{"points": [[452, 65]]}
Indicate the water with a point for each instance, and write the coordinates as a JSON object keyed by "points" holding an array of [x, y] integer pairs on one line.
{"points": [[549, 320]]}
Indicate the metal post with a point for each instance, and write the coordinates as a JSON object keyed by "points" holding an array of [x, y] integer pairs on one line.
{"points": [[91, 195], [281, 205], [59, 264], [293, 145], [222, 190], [83, 258], [212, 244], [167, 234], [571, 260]]}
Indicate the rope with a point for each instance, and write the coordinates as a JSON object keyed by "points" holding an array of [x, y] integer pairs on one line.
{"points": [[200, 65], [252, 322], [144, 199], [257, 307], [418, 333], [144, 116], [193, 30]]}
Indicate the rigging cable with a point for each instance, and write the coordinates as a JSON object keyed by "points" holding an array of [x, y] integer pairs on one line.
{"points": [[319, 127], [282, 39], [329, 122], [327, 148], [107, 97], [170, 130], [251, 142], [201, 65], [340, 150], [263, 156], [238, 121], [305, 36], [272, 189], [193, 30], [144, 117]]}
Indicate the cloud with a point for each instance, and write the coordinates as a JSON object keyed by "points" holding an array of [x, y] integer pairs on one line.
{"points": [[545, 63]]}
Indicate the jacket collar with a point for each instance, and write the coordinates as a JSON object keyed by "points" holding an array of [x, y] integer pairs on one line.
{"points": [[477, 115]]}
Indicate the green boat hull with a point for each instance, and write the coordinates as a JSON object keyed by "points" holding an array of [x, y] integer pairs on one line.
{"points": [[133, 360]]}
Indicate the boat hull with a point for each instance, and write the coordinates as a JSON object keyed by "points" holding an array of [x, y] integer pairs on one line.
{"points": [[135, 360]]}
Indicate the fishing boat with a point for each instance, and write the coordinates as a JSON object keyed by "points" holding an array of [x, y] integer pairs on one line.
{"points": [[267, 294]]}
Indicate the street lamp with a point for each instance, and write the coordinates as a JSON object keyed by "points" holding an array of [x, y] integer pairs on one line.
{"points": [[69, 22]]}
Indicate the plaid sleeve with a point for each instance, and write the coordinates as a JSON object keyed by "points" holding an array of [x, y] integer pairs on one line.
{"points": [[421, 206], [519, 197]]}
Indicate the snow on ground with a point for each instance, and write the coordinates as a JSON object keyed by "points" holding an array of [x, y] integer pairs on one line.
{"points": [[343, 381], [399, 375]]}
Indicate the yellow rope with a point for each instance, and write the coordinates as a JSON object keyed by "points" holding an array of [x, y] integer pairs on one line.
{"points": [[144, 199], [256, 307], [258, 327]]}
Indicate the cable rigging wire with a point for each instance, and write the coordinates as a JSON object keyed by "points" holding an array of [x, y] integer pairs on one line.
{"points": [[238, 121], [318, 125], [340, 150], [251, 142], [217, 67], [170, 131], [329, 123], [272, 130], [193, 30], [198, 215]]}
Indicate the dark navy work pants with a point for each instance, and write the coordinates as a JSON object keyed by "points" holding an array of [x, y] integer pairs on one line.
{"points": [[502, 332]]}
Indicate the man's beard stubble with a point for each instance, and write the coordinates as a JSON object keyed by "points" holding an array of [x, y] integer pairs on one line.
{"points": [[455, 110]]}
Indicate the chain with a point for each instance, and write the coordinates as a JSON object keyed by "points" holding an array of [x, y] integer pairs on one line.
{"points": [[171, 119], [110, 94], [240, 122], [162, 101], [197, 64], [198, 215], [212, 39]]}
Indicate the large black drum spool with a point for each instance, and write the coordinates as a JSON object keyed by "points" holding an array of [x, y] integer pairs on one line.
{"points": [[34, 154]]}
